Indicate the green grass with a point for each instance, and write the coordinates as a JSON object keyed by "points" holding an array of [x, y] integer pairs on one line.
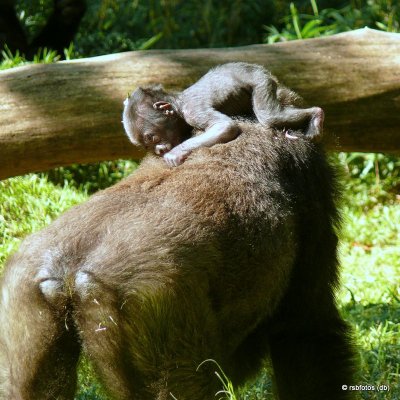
{"points": [[370, 294], [369, 297], [29, 203]]}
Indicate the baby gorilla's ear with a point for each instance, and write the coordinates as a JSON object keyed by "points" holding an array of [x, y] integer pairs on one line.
{"points": [[164, 106]]}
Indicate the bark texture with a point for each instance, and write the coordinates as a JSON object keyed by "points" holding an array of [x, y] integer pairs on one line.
{"points": [[58, 114]]}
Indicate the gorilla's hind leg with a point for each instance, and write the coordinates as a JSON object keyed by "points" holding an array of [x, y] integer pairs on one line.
{"points": [[39, 348]]}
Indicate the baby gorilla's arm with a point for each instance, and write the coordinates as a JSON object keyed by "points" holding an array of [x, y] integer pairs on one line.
{"points": [[222, 131]]}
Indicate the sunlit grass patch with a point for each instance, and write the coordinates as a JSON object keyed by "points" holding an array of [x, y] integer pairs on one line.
{"points": [[27, 204], [370, 291]]}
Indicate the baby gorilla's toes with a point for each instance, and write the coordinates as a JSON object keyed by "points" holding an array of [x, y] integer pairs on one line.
{"points": [[315, 128]]}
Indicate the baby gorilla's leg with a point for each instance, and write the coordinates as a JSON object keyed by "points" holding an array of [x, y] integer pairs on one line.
{"points": [[271, 111], [309, 120]]}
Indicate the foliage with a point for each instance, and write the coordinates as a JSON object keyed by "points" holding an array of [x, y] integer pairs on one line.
{"points": [[88, 387], [113, 26], [44, 56], [127, 25], [379, 14], [374, 177], [33, 15], [260, 388], [10, 60]]}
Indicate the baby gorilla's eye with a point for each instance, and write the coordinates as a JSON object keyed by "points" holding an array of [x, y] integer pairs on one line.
{"points": [[148, 138], [151, 138]]}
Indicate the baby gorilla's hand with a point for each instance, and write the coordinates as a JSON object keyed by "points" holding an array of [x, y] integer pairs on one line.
{"points": [[176, 156]]}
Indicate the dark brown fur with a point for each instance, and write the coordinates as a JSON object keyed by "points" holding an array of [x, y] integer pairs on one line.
{"points": [[225, 257]]}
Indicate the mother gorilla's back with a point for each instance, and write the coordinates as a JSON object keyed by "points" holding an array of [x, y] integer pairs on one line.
{"points": [[222, 257]]}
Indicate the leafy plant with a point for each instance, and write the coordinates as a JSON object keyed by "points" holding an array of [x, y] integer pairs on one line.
{"points": [[227, 391], [33, 15], [377, 13], [11, 60], [300, 26], [70, 52], [45, 56]]}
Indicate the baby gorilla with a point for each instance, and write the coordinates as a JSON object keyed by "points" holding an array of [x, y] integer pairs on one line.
{"points": [[162, 122]]}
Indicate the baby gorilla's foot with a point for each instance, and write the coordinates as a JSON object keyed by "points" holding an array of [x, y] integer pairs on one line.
{"points": [[315, 128]]}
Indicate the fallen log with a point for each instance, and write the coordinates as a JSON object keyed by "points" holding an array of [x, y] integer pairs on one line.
{"points": [[58, 114]]}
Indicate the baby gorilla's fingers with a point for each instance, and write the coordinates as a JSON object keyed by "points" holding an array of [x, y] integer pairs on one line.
{"points": [[172, 160], [169, 160], [175, 157]]}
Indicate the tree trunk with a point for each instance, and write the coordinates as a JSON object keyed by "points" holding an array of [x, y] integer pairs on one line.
{"points": [[58, 114]]}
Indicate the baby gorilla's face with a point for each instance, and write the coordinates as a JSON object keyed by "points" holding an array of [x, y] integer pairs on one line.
{"points": [[143, 129], [157, 141], [153, 129]]}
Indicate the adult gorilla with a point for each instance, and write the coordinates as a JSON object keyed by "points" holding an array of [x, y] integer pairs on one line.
{"points": [[230, 256]]}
